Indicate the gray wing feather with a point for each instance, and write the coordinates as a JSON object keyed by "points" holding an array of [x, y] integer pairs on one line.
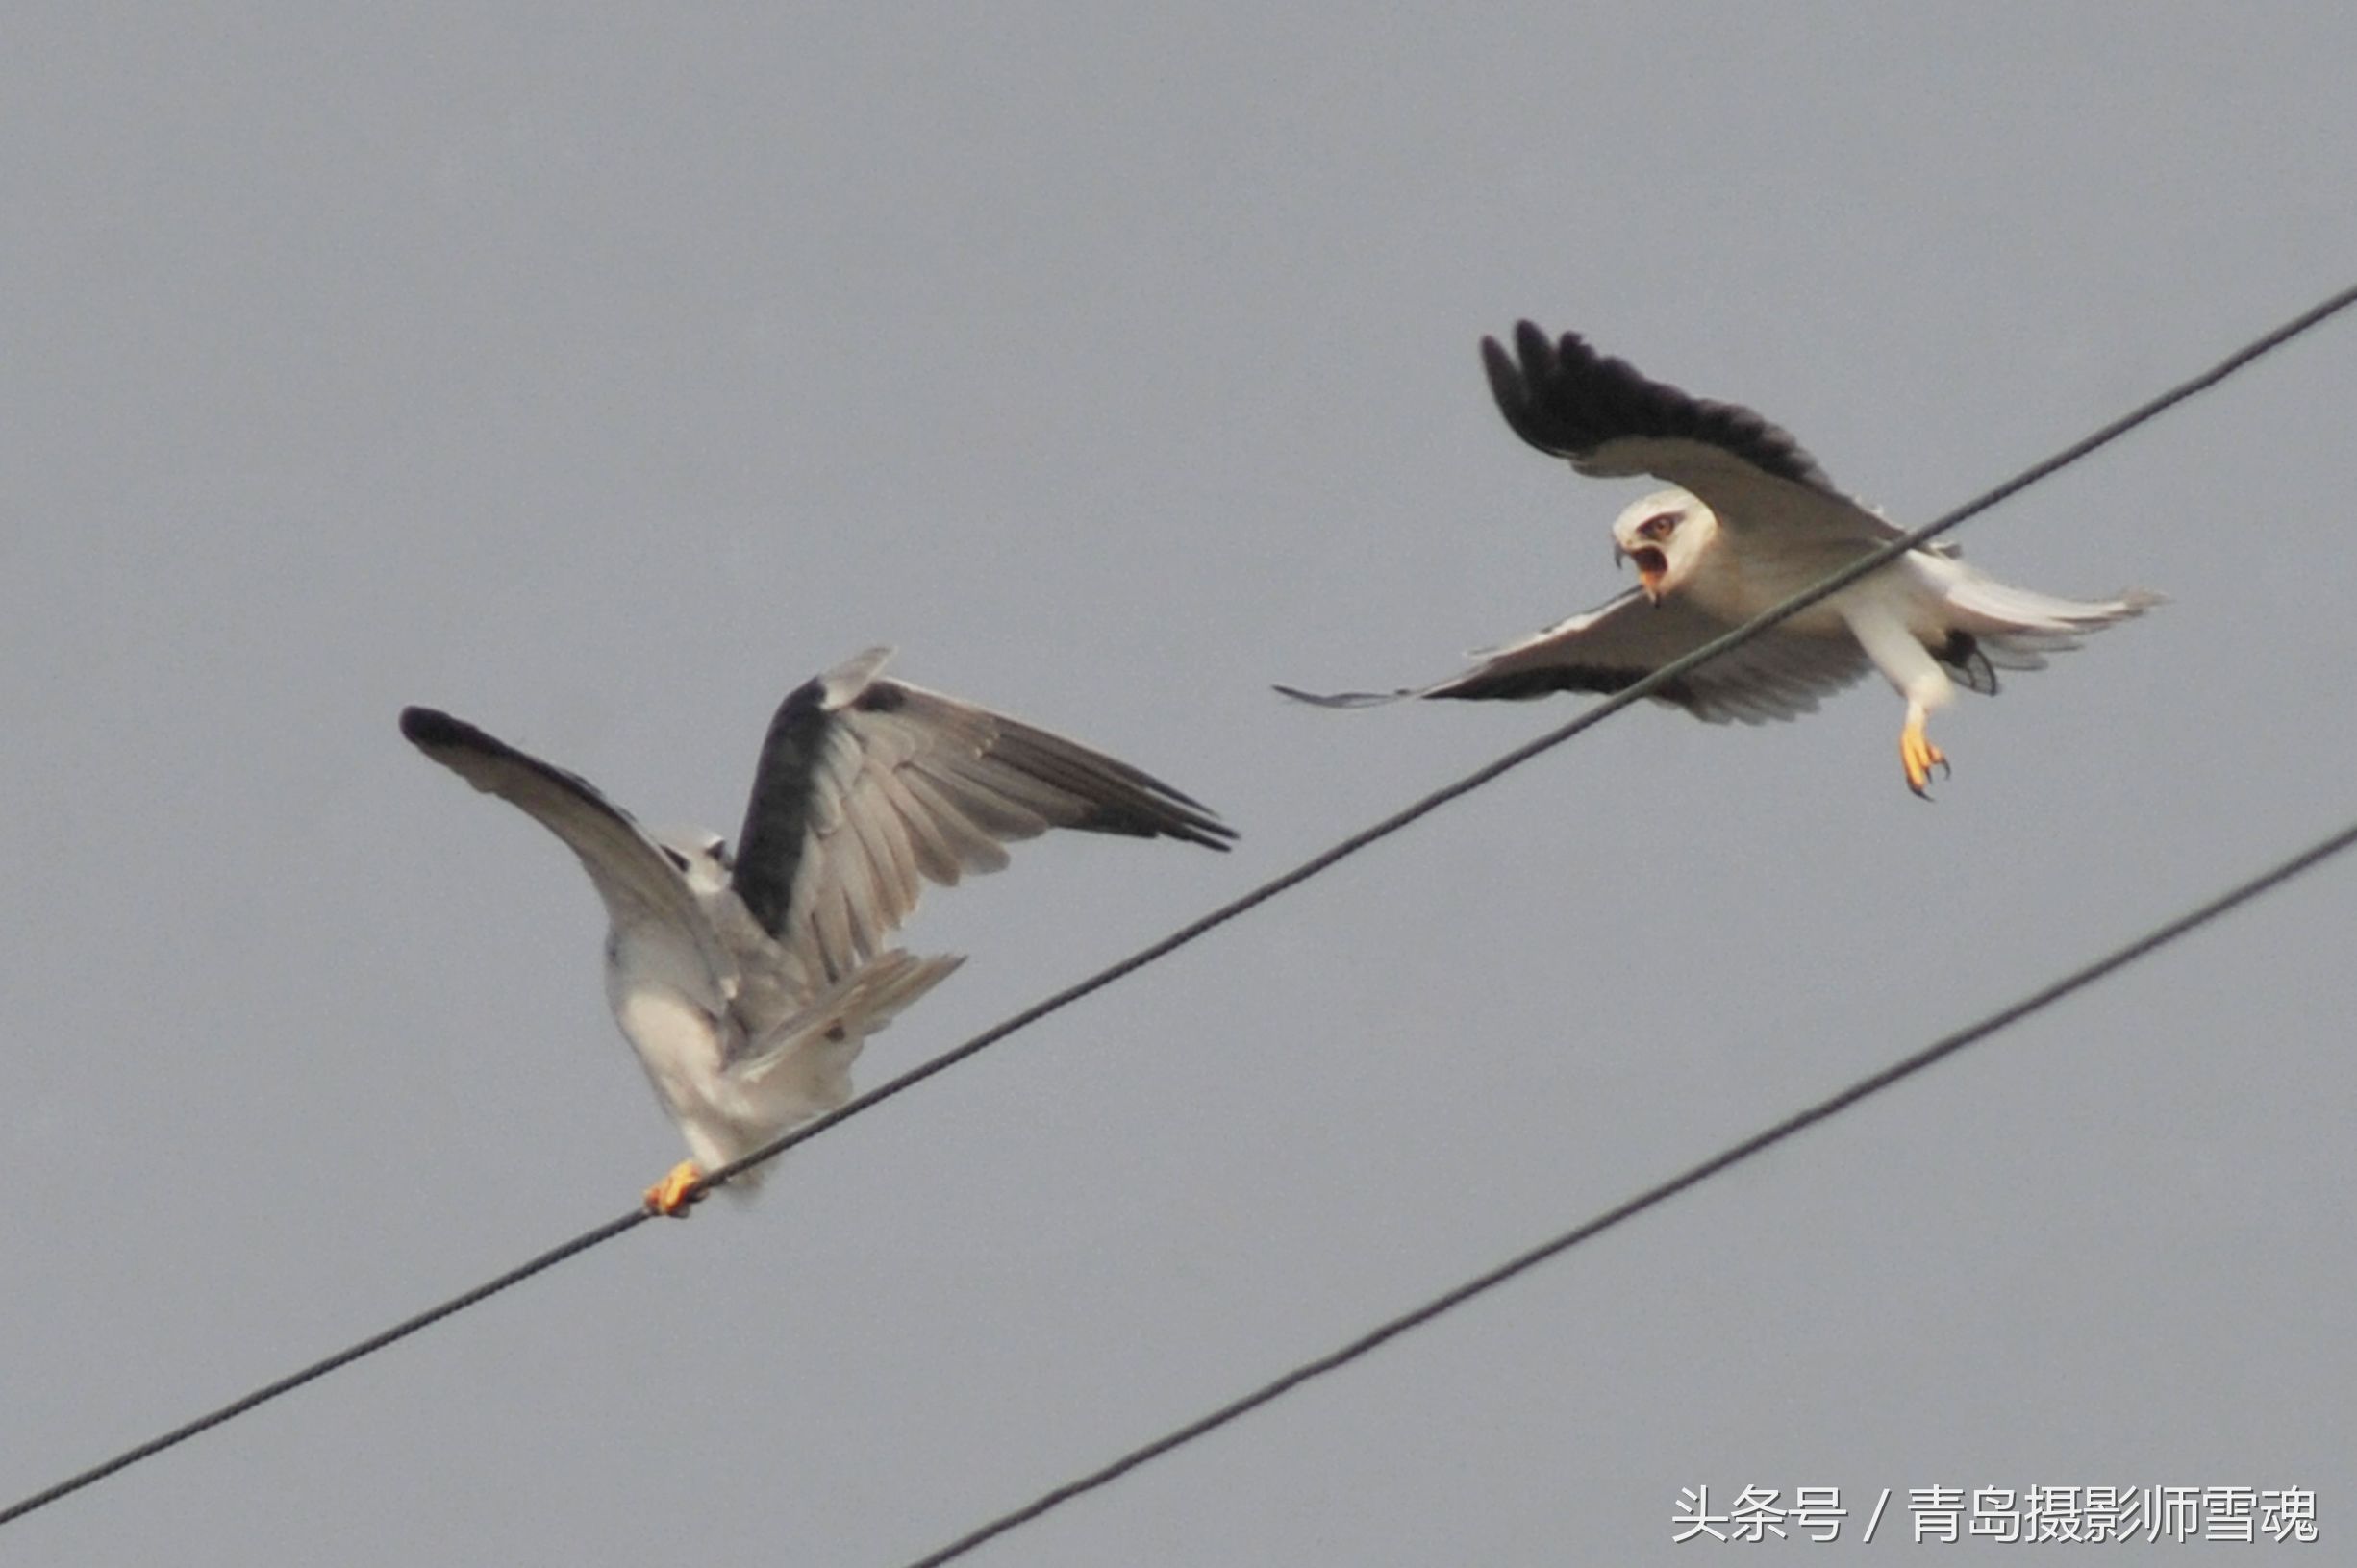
{"points": [[633, 875], [1776, 675], [868, 788]]}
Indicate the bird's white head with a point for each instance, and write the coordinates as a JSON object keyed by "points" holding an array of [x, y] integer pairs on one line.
{"points": [[1665, 534], [701, 855]]}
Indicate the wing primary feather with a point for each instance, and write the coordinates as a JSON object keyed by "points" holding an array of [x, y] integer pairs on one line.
{"points": [[635, 876], [867, 789], [1567, 399], [1626, 638], [1346, 699], [1062, 782], [1103, 794], [479, 758], [989, 799]]}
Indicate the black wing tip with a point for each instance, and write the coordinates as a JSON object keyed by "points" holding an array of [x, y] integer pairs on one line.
{"points": [[1508, 389], [1208, 832], [1117, 797], [1533, 349], [1500, 365], [1144, 807], [1527, 383], [1566, 397], [1173, 814], [1168, 814], [431, 727]]}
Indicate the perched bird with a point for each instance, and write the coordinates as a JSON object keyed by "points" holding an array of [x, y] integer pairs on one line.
{"points": [[1752, 522], [746, 984]]}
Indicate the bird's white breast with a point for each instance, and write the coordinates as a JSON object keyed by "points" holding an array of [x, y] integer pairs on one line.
{"points": [[669, 1007]]}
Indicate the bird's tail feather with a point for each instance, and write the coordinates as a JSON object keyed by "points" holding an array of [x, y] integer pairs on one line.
{"points": [[860, 1003], [2017, 628]]}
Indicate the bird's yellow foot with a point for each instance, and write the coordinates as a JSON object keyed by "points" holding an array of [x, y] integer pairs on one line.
{"points": [[1919, 757], [671, 1196]]}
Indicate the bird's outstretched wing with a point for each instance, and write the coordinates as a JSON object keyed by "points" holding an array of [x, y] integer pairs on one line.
{"points": [[1774, 676], [1610, 420], [868, 788], [639, 880]]}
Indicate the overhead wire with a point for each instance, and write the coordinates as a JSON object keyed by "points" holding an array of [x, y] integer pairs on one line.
{"points": [[1768, 1137], [1154, 952]]}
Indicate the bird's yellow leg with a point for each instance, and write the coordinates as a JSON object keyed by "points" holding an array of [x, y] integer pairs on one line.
{"points": [[671, 1196], [1919, 756]]}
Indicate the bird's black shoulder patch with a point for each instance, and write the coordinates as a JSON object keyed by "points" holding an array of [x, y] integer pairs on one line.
{"points": [[778, 814]]}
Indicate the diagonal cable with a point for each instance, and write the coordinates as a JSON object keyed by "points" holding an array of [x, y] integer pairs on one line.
{"points": [[1874, 1084], [1154, 952]]}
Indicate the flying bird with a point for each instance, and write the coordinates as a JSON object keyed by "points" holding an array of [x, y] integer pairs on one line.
{"points": [[1751, 522], [746, 982]]}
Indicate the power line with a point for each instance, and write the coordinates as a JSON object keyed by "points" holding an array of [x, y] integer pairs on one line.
{"points": [[1154, 952], [1899, 1071], [322, 1368]]}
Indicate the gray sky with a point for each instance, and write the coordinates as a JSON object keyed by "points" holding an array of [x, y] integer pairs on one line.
{"points": [[600, 376]]}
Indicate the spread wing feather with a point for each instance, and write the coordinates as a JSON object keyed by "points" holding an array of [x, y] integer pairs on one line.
{"points": [[1774, 676], [636, 877], [867, 789], [1610, 420]]}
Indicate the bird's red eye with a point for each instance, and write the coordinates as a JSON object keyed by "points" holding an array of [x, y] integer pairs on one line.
{"points": [[1658, 526]]}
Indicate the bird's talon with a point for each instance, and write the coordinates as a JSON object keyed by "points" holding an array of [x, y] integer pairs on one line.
{"points": [[671, 1196], [1919, 757]]}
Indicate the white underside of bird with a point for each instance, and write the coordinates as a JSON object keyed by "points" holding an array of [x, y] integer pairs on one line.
{"points": [[738, 1058]]}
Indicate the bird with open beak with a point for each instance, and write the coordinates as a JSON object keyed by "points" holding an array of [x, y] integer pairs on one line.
{"points": [[1751, 523]]}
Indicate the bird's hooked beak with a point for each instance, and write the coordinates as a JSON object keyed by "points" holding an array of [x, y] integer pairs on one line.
{"points": [[1651, 567]]}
